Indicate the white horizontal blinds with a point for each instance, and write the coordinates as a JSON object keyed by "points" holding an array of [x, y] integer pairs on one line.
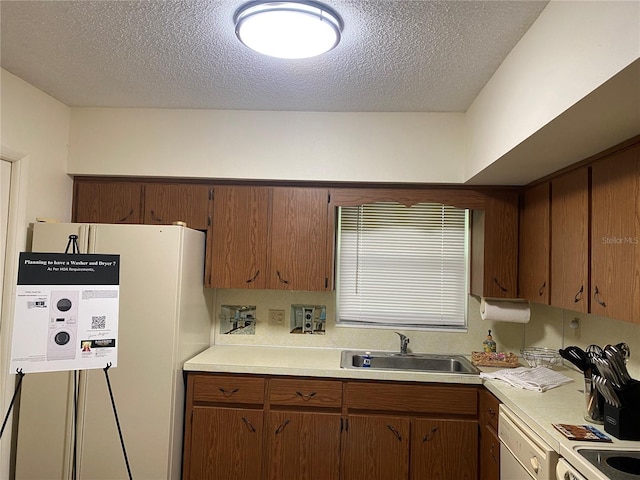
{"points": [[402, 265]]}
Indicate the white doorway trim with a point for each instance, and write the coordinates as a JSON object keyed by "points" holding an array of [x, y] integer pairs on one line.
{"points": [[16, 241]]}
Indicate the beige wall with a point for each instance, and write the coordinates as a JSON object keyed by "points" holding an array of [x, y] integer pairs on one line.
{"points": [[368, 147], [573, 48], [548, 327], [34, 129]]}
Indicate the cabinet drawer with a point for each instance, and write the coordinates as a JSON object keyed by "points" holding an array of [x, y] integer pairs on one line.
{"points": [[228, 389], [412, 398], [489, 408], [316, 393]]}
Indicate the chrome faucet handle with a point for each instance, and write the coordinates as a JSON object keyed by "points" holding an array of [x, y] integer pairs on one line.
{"points": [[404, 341]]}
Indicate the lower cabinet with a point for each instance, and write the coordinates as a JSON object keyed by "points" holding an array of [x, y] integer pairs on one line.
{"points": [[376, 447], [258, 427], [302, 445], [489, 443], [444, 449], [226, 444]]}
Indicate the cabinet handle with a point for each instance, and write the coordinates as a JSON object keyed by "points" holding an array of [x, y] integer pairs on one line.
{"points": [[249, 425], [429, 436], [254, 277], [228, 393], [126, 216], [596, 296], [541, 290], [281, 426], [491, 412], [493, 453], [155, 217], [578, 296], [395, 432], [495, 280], [306, 396], [282, 280]]}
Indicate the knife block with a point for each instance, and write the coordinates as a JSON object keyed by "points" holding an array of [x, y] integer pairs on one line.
{"points": [[624, 422]]}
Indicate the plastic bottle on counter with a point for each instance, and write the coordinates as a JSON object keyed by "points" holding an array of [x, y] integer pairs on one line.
{"points": [[489, 345]]}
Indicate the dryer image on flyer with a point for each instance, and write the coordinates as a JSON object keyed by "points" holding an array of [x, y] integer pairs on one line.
{"points": [[63, 325]]}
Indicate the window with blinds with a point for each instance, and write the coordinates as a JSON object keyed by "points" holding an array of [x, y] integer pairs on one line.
{"points": [[402, 266]]}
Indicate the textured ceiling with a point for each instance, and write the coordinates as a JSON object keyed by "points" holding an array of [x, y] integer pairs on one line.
{"points": [[395, 56]]}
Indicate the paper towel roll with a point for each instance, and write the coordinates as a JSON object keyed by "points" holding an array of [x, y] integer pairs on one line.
{"points": [[505, 310]]}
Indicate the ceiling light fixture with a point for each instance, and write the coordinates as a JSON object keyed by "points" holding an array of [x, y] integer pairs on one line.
{"points": [[288, 29]]}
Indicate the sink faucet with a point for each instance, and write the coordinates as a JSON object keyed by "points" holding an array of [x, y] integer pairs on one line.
{"points": [[404, 341]]}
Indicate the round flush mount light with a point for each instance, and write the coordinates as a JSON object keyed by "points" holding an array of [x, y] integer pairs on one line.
{"points": [[288, 29]]}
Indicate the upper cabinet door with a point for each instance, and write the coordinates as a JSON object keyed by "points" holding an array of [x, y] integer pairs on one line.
{"points": [[107, 202], [299, 239], [240, 237], [570, 240], [168, 203], [615, 236], [494, 247], [534, 244]]}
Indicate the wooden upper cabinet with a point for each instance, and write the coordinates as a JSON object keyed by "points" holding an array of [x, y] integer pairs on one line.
{"points": [[107, 202], [168, 203], [534, 244], [299, 242], [615, 236], [494, 246], [570, 240], [240, 237]]}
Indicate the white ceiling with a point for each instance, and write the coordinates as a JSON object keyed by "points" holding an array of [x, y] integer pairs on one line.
{"points": [[395, 55]]}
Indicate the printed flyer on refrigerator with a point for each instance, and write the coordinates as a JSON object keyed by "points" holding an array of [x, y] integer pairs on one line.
{"points": [[66, 312]]}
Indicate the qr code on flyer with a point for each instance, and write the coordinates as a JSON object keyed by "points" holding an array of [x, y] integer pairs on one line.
{"points": [[99, 322]]}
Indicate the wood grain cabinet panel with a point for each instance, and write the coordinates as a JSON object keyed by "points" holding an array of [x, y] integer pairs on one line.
{"points": [[494, 246], [299, 242], [615, 236], [226, 444], [107, 202], [570, 240], [489, 443], [227, 389], [376, 448], [168, 203], [535, 238], [302, 445], [412, 398], [305, 393], [240, 237], [444, 449]]}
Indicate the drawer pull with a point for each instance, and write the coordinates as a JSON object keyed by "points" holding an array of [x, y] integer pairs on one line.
{"points": [[578, 296], [280, 279], [495, 280], [429, 436], [541, 290], [492, 413], [596, 296], [395, 432], [228, 393], [155, 217], [281, 426], [249, 425], [252, 279], [126, 216], [306, 397]]}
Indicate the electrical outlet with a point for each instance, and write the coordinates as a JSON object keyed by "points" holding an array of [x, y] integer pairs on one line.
{"points": [[276, 317]]}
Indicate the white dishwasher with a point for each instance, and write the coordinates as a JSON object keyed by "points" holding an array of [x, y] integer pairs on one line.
{"points": [[523, 454]]}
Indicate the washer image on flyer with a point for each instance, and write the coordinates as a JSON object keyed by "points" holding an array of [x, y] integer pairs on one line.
{"points": [[63, 325]]}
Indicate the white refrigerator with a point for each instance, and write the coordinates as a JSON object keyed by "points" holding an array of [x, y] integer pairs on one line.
{"points": [[164, 319]]}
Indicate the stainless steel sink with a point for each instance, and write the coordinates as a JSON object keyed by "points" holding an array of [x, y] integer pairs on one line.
{"points": [[411, 361]]}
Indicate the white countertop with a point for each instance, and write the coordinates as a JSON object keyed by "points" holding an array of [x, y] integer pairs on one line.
{"points": [[539, 411]]}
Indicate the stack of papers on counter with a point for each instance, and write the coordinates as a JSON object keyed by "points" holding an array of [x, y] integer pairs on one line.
{"points": [[539, 379]]}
